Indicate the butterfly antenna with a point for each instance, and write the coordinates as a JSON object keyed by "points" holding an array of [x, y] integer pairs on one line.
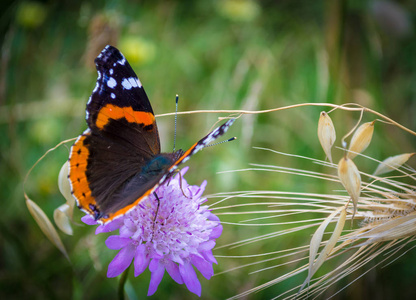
{"points": [[176, 119], [229, 140]]}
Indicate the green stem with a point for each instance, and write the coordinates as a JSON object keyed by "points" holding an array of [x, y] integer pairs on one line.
{"points": [[121, 284]]}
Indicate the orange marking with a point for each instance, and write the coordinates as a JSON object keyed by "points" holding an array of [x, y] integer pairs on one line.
{"points": [[183, 156], [80, 184], [77, 176], [126, 209], [111, 111]]}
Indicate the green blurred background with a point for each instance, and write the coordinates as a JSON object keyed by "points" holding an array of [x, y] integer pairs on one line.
{"points": [[231, 54]]}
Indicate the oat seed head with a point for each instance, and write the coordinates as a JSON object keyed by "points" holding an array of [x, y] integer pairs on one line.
{"points": [[326, 133], [361, 139], [392, 163], [350, 178]]}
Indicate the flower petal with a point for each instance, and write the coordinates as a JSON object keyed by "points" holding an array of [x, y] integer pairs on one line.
{"points": [[108, 227], [176, 258], [216, 232], [121, 261], [157, 270], [173, 271], [115, 242], [190, 278], [213, 217], [89, 220], [201, 189], [184, 170], [141, 260], [209, 256], [206, 246], [203, 266]]}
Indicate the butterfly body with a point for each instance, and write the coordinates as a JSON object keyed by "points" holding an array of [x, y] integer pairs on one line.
{"points": [[116, 162]]}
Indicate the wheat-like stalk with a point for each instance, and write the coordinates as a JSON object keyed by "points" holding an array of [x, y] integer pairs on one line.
{"points": [[374, 217]]}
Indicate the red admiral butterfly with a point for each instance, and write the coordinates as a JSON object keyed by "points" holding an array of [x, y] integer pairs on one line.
{"points": [[116, 162]]}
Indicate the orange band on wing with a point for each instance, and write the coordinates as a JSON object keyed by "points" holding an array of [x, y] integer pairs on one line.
{"points": [[126, 209], [184, 155], [111, 111], [78, 177]]}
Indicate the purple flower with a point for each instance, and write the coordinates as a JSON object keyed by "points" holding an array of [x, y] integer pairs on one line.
{"points": [[180, 238]]}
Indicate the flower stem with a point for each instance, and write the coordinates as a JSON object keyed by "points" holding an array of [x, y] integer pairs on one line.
{"points": [[121, 284]]}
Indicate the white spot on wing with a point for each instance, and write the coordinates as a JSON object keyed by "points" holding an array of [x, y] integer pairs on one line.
{"points": [[111, 71], [113, 95], [133, 82], [126, 83], [199, 147], [111, 83], [123, 61], [102, 52], [208, 139], [97, 85]]}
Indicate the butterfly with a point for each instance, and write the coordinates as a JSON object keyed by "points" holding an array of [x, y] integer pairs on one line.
{"points": [[117, 162]]}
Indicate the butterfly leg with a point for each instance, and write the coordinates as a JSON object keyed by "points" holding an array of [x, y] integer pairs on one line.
{"points": [[180, 185], [157, 211]]}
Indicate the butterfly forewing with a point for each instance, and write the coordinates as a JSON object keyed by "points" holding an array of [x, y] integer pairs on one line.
{"points": [[121, 138]]}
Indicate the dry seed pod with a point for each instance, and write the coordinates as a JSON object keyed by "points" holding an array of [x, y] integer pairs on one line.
{"points": [[350, 178], [61, 216], [393, 162], [361, 139], [45, 225], [326, 134], [65, 188], [316, 241]]}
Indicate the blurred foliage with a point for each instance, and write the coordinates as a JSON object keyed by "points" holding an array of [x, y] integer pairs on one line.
{"points": [[231, 54]]}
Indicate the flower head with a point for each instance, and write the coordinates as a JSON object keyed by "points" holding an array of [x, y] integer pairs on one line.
{"points": [[174, 233]]}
